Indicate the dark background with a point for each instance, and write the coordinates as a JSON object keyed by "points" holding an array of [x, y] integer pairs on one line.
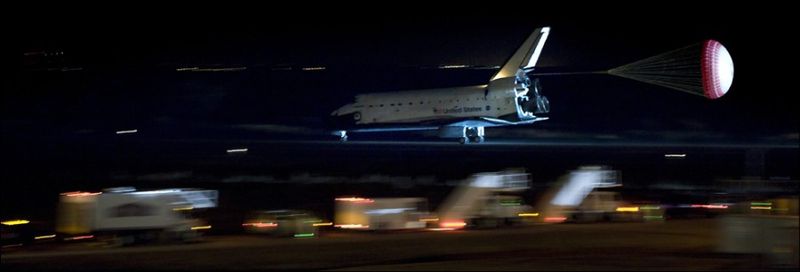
{"points": [[77, 74]]}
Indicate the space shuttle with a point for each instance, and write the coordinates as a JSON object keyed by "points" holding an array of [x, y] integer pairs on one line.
{"points": [[462, 113], [511, 97]]}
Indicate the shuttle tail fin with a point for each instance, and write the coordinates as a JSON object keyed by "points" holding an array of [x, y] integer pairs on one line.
{"points": [[526, 56]]}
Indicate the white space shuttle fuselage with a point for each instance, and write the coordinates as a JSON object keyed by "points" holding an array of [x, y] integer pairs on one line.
{"points": [[432, 104], [510, 98]]}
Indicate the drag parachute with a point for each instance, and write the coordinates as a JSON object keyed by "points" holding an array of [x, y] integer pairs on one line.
{"points": [[704, 69]]}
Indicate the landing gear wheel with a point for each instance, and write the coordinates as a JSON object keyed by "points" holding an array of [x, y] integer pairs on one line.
{"points": [[357, 116], [463, 140]]}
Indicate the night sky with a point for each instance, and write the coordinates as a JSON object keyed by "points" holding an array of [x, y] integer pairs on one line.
{"points": [[77, 76]]}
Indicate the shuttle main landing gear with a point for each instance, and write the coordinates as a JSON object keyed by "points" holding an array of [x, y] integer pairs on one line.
{"points": [[472, 135]]}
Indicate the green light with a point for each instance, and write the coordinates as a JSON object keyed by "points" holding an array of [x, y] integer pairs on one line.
{"points": [[653, 217], [303, 235], [510, 202], [761, 203], [649, 207]]}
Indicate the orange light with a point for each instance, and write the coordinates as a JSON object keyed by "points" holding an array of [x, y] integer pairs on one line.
{"points": [[261, 225], [355, 199], [555, 219], [79, 193], [709, 206], [453, 224]]}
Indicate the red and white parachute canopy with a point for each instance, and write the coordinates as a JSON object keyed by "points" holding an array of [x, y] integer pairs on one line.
{"points": [[704, 68]]}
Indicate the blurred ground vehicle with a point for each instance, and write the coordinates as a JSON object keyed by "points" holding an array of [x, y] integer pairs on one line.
{"points": [[283, 223], [121, 216], [768, 227], [381, 213], [604, 206], [486, 200]]}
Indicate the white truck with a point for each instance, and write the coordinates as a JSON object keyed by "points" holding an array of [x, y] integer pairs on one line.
{"points": [[124, 215], [485, 200], [578, 197]]}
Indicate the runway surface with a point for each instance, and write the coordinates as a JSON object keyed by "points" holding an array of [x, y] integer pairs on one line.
{"points": [[671, 245]]}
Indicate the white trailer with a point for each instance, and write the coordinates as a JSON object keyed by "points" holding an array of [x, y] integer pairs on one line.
{"points": [[124, 215]]}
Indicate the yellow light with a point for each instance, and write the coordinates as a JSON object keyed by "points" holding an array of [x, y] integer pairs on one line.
{"points": [[79, 193], [44, 237], [201, 227], [15, 222], [183, 208], [455, 224], [323, 224], [627, 209], [760, 208], [528, 214], [429, 220]]}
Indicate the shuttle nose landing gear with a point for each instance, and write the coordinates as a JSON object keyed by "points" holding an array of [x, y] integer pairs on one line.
{"points": [[472, 135]]}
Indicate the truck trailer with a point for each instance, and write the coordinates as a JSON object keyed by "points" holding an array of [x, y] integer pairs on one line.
{"points": [[125, 215]]}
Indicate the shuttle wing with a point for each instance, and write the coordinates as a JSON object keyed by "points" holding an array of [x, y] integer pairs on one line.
{"points": [[472, 122]]}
